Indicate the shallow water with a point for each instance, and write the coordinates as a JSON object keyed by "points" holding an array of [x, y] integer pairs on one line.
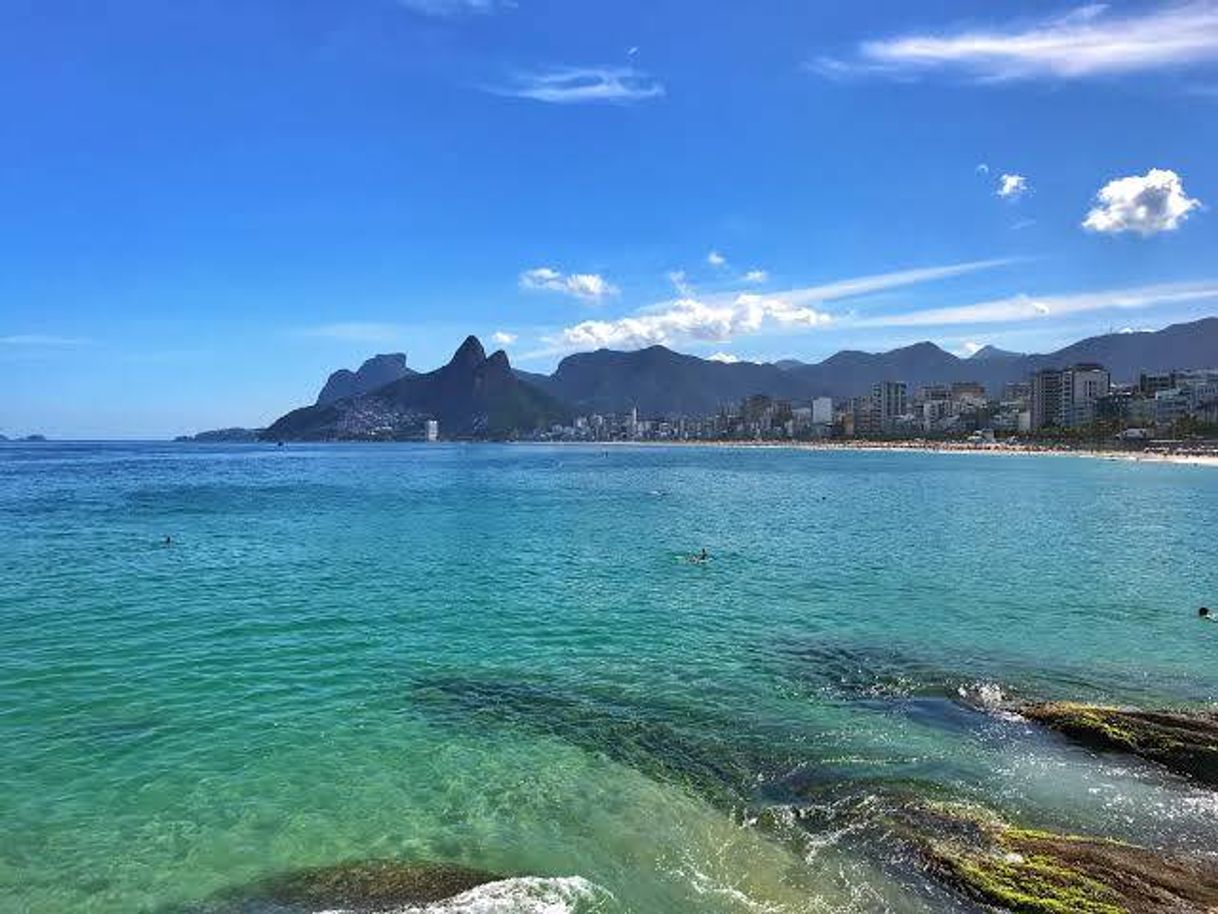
{"points": [[497, 656]]}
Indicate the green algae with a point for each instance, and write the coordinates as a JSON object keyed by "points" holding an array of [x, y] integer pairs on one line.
{"points": [[1185, 742], [972, 850], [1037, 885]]}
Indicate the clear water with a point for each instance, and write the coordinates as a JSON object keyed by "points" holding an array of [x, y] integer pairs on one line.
{"points": [[497, 656]]}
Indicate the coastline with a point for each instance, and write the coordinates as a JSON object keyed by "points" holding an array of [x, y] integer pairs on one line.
{"points": [[1183, 457]]}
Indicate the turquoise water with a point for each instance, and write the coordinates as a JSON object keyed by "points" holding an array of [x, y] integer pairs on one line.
{"points": [[496, 656]]}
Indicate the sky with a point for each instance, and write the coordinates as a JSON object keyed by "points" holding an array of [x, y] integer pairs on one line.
{"points": [[210, 205]]}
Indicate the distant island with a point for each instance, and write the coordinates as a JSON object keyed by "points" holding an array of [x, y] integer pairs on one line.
{"points": [[1139, 385], [224, 436]]}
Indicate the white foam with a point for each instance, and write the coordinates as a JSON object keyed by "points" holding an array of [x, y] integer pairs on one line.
{"points": [[522, 895]]}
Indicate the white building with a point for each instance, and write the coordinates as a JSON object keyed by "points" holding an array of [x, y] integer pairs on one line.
{"points": [[433, 430]]}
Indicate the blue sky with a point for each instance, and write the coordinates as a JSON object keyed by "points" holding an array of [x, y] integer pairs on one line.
{"points": [[210, 205]]}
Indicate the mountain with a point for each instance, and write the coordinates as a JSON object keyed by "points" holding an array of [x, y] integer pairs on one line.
{"points": [[850, 373], [661, 382], [1125, 355], [473, 396], [993, 353], [375, 372]]}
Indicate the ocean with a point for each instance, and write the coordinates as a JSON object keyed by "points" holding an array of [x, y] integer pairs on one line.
{"points": [[500, 657]]}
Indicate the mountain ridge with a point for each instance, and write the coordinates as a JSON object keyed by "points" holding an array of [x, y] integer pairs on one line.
{"points": [[472, 396], [659, 381]]}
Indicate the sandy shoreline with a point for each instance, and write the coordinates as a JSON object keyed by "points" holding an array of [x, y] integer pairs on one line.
{"points": [[1188, 458]]}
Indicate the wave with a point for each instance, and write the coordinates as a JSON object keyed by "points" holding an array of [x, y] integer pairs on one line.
{"points": [[521, 895]]}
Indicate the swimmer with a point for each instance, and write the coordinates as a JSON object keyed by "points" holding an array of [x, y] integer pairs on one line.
{"points": [[1204, 615], [700, 557]]}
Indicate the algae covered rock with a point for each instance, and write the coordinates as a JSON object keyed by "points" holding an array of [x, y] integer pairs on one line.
{"points": [[360, 886], [1036, 872], [1185, 742]]}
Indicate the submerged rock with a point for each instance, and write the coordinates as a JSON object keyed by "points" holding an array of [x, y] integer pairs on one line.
{"points": [[1185, 742], [361, 886], [1037, 872]]}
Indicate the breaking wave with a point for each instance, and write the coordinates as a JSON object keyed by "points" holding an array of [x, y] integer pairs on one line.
{"points": [[522, 895]]}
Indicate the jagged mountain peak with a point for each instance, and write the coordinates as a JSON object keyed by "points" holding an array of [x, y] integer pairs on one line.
{"points": [[470, 353]]}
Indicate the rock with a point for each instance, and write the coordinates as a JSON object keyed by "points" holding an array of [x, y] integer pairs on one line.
{"points": [[360, 886], [375, 373], [1185, 742], [972, 850]]}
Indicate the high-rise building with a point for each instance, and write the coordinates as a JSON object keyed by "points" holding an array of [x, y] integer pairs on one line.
{"points": [[1066, 397], [889, 400], [822, 411], [433, 430]]}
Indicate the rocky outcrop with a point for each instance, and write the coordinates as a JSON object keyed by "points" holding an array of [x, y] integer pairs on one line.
{"points": [[223, 436], [1185, 742], [361, 886], [375, 373], [1037, 872]]}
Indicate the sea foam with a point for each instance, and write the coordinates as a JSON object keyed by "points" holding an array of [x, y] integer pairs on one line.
{"points": [[522, 895]]}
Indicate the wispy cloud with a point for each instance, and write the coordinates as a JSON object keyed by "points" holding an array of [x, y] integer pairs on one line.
{"points": [[356, 332], [1089, 41], [582, 85], [1018, 308], [681, 284], [49, 341], [449, 8], [1146, 204], [589, 287], [725, 357], [503, 338], [715, 259], [756, 276], [722, 317]]}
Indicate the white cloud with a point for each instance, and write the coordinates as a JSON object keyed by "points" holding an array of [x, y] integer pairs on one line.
{"points": [[1012, 186], [503, 338], [356, 332], [756, 276], [574, 85], [715, 259], [688, 318], [1147, 204], [454, 7], [1017, 308], [1088, 41], [725, 357], [968, 347], [590, 287], [720, 318], [983, 169]]}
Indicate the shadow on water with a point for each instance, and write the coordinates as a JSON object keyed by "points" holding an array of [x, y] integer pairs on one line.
{"points": [[357, 887], [667, 742]]}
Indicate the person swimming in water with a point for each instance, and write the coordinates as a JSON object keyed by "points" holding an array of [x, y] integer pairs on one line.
{"points": [[699, 558], [168, 540], [1204, 615]]}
